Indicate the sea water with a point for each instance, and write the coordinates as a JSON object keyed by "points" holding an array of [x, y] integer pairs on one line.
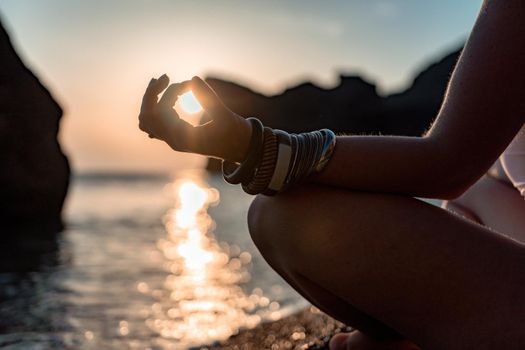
{"points": [[146, 262]]}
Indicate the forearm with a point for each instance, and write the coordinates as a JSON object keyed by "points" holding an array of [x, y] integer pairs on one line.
{"points": [[414, 166]]}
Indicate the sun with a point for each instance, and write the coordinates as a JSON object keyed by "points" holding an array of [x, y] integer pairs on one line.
{"points": [[189, 103]]}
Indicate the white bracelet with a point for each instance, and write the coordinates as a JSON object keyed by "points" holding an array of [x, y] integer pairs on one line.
{"points": [[283, 161]]}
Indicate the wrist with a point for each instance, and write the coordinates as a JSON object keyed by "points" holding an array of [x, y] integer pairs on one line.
{"points": [[245, 134]]}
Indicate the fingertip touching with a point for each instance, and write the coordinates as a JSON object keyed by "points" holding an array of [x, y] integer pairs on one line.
{"points": [[172, 92], [207, 97]]}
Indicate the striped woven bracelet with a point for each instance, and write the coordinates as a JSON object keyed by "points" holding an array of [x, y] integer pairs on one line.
{"points": [[299, 156], [263, 173]]}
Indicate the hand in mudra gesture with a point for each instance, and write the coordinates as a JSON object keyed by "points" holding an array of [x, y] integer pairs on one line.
{"points": [[226, 136]]}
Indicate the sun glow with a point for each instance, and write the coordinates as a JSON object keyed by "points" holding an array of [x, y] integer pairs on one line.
{"points": [[189, 103]]}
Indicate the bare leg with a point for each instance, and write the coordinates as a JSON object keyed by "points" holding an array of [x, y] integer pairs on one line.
{"points": [[494, 204], [386, 263]]}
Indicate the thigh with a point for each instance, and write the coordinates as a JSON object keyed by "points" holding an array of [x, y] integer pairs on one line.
{"points": [[434, 277]]}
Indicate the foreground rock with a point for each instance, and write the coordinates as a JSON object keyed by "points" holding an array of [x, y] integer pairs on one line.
{"points": [[353, 106], [34, 173]]}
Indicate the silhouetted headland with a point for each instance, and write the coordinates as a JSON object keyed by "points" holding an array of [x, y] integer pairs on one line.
{"points": [[34, 173], [353, 106]]}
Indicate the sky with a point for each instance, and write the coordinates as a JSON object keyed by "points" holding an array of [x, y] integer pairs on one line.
{"points": [[97, 56]]}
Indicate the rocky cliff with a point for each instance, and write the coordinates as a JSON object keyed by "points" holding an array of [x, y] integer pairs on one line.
{"points": [[34, 173]]}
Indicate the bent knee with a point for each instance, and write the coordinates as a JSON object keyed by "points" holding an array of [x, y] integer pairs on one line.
{"points": [[262, 219], [269, 219], [256, 217]]}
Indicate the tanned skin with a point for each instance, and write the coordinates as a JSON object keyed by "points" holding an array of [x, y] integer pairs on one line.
{"points": [[354, 240]]}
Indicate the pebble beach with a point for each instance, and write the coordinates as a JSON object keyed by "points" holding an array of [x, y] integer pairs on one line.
{"points": [[307, 329]]}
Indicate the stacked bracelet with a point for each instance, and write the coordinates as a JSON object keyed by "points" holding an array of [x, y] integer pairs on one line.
{"points": [[264, 171], [277, 159], [235, 174], [282, 165]]}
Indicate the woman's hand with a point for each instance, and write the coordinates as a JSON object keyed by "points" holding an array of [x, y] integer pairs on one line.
{"points": [[226, 136]]}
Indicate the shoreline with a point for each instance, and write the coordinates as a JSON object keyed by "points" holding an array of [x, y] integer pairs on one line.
{"points": [[309, 328]]}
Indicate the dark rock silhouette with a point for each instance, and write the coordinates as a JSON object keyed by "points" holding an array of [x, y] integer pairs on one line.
{"points": [[353, 106], [34, 173]]}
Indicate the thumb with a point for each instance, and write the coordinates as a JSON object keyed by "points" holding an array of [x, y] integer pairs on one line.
{"points": [[209, 99]]}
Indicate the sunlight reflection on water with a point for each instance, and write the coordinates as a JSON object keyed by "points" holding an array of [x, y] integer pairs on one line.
{"points": [[202, 300], [121, 278]]}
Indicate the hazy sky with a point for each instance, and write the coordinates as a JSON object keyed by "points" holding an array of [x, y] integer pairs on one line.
{"points": [[97, 56]]}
